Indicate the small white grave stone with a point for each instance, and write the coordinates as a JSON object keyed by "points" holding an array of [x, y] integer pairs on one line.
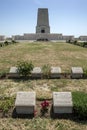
{"points": [[37, 72], [76, 72], [25, 102], [55, 72], [13, 72], [62, 102]]}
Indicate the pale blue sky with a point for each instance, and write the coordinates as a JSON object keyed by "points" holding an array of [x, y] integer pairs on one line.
{"points": [[68, 17]]}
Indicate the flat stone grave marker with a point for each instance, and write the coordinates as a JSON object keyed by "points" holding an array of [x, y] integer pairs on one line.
{"points": [[55, 72], [37, 72], [25, 102], [13, 72], [76, 72], [62, 102]]}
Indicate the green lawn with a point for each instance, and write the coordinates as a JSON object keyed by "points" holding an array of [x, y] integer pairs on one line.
{"points": [[56, 54]]}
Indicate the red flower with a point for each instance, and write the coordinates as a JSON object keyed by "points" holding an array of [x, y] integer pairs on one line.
{"points": [[45, 104]]}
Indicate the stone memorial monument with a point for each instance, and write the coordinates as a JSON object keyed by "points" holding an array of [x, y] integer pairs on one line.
{"points": [[43, 21], [42, 30]]}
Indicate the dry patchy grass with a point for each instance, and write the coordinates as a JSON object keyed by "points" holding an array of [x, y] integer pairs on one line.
{"points": [[43, 88], [41, 124], [56, 54]]}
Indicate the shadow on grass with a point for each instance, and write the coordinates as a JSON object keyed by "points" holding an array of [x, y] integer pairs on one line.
{"points": [[59, 116], [23, 79], [23, 116], [20, 80], [72, 117], [50, 114]]}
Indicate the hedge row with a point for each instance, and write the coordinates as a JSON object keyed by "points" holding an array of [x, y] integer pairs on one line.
{"points": [[2, 44], [82, 44]]}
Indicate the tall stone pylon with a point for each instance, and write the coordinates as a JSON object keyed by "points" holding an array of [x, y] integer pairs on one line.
{"points": [[42, 21]]}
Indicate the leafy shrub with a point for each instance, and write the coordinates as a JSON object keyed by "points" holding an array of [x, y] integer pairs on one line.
{"points": [[68, 41], [6, 104], [46, 70], [13, 41], [75, 42], [84, 44], [85, 73], [80, 104], [81, 44], [2, 74], [25, 68], [1, 45], [6, 42]]}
